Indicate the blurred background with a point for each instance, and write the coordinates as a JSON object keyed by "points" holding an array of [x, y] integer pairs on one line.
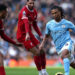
{"points": [[14, 56]]}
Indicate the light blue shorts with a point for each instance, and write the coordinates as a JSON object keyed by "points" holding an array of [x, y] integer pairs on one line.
{"points": [[69, 46]]}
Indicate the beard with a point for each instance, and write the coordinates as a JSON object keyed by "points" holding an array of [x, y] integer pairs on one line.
{"points": [[31, 8]]}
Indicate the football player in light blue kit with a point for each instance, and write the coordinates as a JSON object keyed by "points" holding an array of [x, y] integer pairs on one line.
{"points": [[59, 29]]}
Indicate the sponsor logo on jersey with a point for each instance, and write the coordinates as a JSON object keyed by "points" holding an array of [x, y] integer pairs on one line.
{"points": [[67, 44]]}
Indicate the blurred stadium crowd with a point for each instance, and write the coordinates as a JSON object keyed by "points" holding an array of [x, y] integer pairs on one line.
{"points": [[43, 8]]}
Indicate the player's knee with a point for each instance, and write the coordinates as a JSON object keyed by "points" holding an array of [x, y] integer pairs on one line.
{"points": [[42, 52], [65, 56], [37, 53], [62, 56]]}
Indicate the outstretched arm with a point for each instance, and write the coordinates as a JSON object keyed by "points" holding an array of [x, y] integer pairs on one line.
{"points": [[43, 42], [71, 27], [6, 38], [47, 33]]}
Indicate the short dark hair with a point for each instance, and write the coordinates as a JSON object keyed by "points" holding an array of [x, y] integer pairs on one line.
{"points": [[60, 9], [28, 0], [3, 7]]}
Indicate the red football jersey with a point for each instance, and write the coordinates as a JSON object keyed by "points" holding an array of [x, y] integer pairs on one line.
{"points": [[26, 19]]}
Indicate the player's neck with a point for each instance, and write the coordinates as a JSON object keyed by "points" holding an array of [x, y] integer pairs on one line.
{"points": [[58, 19]]}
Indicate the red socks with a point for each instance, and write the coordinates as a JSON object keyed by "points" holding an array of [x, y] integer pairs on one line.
{"points": [[2, 70], [37, 61], [40, 61], [43, 60]]}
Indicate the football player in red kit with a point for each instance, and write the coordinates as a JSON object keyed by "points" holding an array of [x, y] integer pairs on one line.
{"points": [[28, 19], [3, 13]]}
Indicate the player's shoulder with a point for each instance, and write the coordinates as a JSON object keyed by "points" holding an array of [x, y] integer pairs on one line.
{"points": [[23, 9], [22, 12], [50, 22], [67, 21]]}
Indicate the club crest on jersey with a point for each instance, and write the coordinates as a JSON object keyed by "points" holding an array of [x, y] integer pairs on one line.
{"points": [[63, 26], [24, 15]]}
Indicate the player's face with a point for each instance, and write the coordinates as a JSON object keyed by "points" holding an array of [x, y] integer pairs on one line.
{"points": [[30, 4], [56, 14], [3, 13]]}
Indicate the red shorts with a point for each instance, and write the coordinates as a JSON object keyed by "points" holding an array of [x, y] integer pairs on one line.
{"points": [[31, 43]]}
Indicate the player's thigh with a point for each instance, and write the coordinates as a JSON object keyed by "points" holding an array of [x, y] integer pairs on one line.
{"points": [[29, 46], [42, 50], [34, 50], [67, 49], [65, 53]]}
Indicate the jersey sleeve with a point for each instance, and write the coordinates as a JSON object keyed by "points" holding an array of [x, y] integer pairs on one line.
{"points": [[25, 21], [72, 26], [35, 26], [47, 31]]}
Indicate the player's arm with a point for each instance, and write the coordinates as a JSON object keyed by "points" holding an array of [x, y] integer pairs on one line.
{"points": [[43, 42], [6, 38], [35, 26], [26, 23], [47, 34], [71, 27]]}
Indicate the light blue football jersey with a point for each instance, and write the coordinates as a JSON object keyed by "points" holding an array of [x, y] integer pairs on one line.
{"points": [[59, 32]]}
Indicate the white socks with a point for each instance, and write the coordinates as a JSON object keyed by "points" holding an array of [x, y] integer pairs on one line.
{"points": [[42, 72]]}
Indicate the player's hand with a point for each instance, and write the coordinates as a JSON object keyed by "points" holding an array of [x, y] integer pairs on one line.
{"points": [[41, 46], [27, 37], [70, 30]]}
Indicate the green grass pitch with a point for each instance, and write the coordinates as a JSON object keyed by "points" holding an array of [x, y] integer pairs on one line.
{"points": [[33, 71]]}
